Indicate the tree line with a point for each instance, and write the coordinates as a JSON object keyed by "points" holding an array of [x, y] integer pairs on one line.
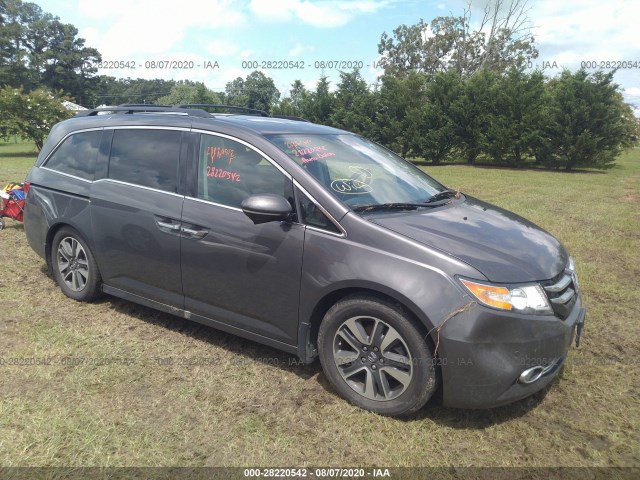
{"points": [[512, 118], [448, 92]]}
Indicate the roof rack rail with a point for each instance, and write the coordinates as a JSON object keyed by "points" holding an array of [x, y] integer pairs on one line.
{"points": [[250, 111], [191, 109], [291, 117], [131, 109], [144, 105]]}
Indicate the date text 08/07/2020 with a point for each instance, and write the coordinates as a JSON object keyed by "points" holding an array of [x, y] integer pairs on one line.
{"points": [[130, 64], [156, 65], [317, 472]]}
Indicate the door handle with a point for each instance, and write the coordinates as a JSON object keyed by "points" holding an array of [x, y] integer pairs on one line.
{"points": [[194, 233], [174, 227]]}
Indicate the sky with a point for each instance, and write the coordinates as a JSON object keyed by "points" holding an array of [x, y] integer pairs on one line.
{"points": [[217, 41]]}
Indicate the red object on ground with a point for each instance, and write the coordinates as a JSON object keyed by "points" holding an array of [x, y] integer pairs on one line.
{"points": [[12, 202], [12, 208]]}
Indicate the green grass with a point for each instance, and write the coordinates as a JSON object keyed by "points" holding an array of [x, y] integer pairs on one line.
{"points": [[15, 161], [244, 404]]}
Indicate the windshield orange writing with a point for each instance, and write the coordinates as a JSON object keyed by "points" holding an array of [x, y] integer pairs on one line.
{"points": [[307, 151], [318, 157], [294, 144]]}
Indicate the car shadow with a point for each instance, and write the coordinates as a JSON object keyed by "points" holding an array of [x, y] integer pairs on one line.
{"points": [[255, 352], [481, 419], [248, 349]]}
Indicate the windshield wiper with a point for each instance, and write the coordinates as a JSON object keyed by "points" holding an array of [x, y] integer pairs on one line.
{"points": [[393, 206], [448, 193]]}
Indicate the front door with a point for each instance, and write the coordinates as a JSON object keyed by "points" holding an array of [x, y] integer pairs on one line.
{"points": [[244, 275]]}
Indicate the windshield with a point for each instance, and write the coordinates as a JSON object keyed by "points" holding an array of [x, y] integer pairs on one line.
{"points": [[357, 171]]}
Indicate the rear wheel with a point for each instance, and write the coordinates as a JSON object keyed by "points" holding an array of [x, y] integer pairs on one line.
{"points": [[74, 267], [375, 356]]}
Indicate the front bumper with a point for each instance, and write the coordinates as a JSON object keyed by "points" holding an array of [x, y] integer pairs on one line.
{"points": [[483, 352]]}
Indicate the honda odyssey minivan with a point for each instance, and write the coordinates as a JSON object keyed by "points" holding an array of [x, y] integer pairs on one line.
{"points": [[309, 239]]}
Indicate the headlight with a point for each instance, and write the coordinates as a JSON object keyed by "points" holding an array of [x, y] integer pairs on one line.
{"points": [[525, 298], [572, 271]]}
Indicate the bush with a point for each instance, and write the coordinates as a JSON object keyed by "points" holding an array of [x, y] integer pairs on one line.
{"points": [[588, 123], [30, 115]]}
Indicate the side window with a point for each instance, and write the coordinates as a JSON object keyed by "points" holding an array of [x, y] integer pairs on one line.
{"points": [[229, 172], [311, 215], [77, 155], [146, 157]]}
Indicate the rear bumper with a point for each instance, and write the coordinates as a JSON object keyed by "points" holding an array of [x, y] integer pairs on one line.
{"points": [[483, 353], [35, 223]]}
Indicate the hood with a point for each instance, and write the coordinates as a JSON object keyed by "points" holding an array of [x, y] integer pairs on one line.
{"points": [[503, 246]]}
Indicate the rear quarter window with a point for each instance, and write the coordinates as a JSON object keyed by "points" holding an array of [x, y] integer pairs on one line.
{"points": [[77, 155]]}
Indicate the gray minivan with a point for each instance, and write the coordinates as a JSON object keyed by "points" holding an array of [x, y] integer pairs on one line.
{"points": [[309, 239]]}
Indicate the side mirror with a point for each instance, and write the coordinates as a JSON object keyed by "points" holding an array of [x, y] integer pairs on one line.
{"points": [[266, 207]]}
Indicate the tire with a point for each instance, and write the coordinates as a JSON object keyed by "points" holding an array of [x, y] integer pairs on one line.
{"points": [[375, 357], [74, 267]]}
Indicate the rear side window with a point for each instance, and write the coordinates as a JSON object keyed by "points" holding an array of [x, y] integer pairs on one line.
{"points": [[146, 157], [77, 155]]}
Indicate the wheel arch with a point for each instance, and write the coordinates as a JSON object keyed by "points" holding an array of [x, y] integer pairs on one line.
{"points": [[51, 233], [309, 330]]}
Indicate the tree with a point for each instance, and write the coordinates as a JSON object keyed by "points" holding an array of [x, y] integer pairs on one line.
{"points": [[322, 102], [189, 92], [261, 92], [298, 95], [471, 113], [14, 69], [502, 40], [69, 65], [397, 96], [235, 94], [256, 91], [350, 88], [514, 126], [112, 91], [354, 107], [588, 125], [297, 104], [30, 115], [509, 43], [432, 132], [39, 50]]}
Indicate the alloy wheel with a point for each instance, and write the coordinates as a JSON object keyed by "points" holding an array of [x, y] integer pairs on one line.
{"points": [[72, 264], [372, 358]]}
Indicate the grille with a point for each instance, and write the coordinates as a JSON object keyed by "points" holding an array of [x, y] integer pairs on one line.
{"points": [[561, 292]]}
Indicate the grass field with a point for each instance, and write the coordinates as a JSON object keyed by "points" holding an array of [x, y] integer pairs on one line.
{"points": [[109, 395]]}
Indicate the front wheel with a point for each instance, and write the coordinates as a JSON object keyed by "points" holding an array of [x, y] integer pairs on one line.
{"points": [[74, 268], [375, 356]]}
